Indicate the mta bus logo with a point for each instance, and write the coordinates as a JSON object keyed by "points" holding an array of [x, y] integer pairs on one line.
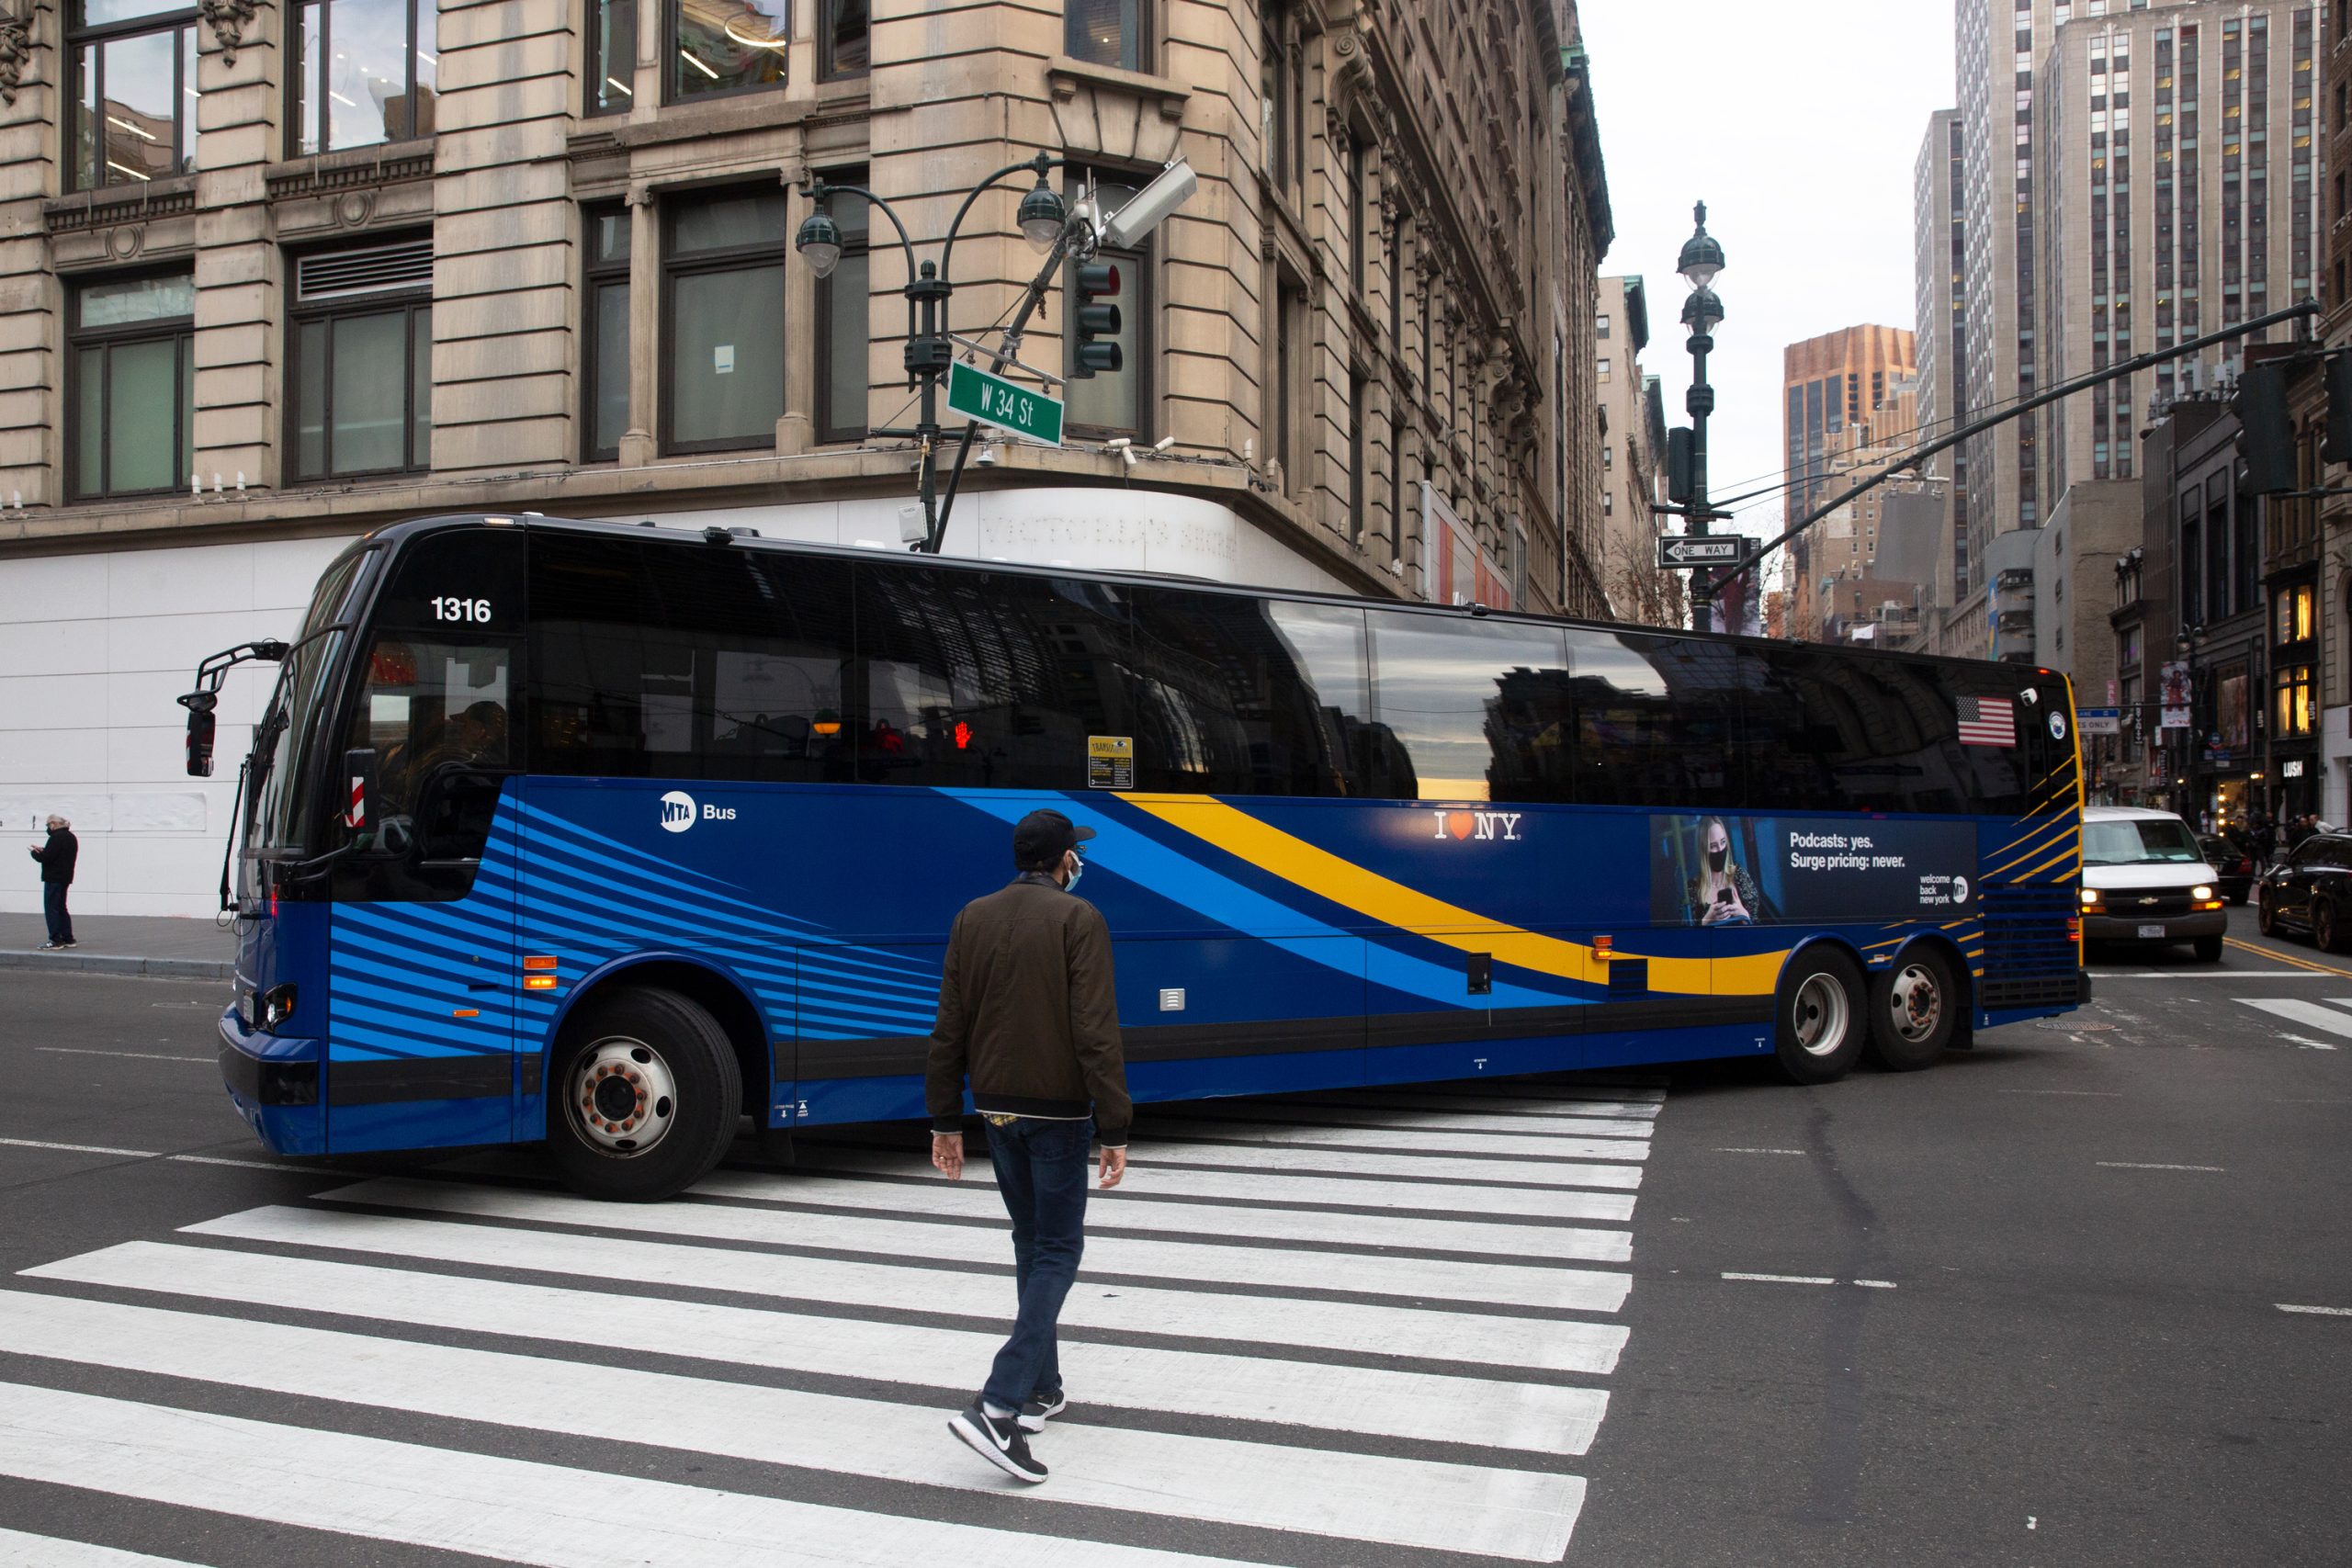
{"points": [[677, 811], [1496, 826]]}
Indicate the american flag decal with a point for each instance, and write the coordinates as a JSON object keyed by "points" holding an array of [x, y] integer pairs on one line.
{"points": [[1987, 721]]}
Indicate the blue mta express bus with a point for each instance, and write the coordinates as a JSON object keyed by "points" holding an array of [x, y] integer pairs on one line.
{"points": [[609, 835]]}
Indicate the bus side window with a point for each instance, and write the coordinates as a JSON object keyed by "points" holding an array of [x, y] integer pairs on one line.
{"points": [[670, 659], [1848, 733], [1240, 695], [1476, 709], [1657, 720], [984, 680]]}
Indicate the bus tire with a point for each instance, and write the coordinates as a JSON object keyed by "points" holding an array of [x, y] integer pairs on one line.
{"points": [[645, 1096], [1819, 1013], [1915, 1008]]}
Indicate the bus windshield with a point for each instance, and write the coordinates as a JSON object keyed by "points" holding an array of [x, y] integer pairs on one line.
{"points": [[282, 739]]}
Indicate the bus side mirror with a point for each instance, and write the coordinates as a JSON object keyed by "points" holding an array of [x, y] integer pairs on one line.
{"points": [[201, 726], [360, 768]]}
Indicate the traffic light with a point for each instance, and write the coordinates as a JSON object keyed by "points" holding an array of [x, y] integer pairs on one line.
{"points": [[2267, 435], [2338, 447], [1096, 320], [1680, 479]]}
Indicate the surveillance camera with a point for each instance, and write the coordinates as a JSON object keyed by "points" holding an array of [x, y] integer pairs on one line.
{"points": [[1163, 444], [1145, 210], [1129, 454], [1117, 444]]}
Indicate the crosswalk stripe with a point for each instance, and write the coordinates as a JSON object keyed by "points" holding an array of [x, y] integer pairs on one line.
{"points": [[1521, 1111], [1560, 1345], [515, 1510], [978, 1199], [2310, 1014], [1396, 1140], [1147, 1179], [1524, 1088], [1520, 1514], [1557, 1286], [1472, 1130], [1287, 1159], [1539, 1418], [18, 1549]]}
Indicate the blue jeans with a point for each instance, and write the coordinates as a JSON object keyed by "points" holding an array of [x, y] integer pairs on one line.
{"points": [[53, 905], [1041, 1174]]}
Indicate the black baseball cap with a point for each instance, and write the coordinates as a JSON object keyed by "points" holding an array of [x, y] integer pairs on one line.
{"points": [[1042, 838]]}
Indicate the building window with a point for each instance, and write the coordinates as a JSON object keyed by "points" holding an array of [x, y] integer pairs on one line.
{"points": [[1359, 214], [2296, 713], [611, 55], [1105, 32], [1608, 503], [1275, 110], [725, 46], [1357, 476], [131, 100], [844, 37], [722, 276], [844, 301], [605, 353], [1285, 397], [131, 397], [2294, 614], [1112, 402], [359, 378], [363, 72], [1601, 328], [1604, 369]]}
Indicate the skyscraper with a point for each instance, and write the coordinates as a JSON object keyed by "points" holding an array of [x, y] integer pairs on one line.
{"points": [[1829, 383], [1939, 233], [2077, 253]]}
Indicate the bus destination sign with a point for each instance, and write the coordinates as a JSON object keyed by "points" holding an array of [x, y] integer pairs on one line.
{"points": [[1008, 405]]}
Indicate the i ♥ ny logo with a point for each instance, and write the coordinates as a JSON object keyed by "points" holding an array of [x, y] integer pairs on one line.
{"points": [[1463, 826]]}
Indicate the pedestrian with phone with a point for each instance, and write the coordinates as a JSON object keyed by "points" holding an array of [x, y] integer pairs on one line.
{"points": [[57, 856], [1029, 1015]]}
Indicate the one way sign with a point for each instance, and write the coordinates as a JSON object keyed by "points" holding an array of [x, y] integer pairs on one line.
{"points": [[1683, 552]]}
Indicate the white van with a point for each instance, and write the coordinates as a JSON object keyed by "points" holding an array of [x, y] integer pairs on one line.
{"points": [[2146, 880]]}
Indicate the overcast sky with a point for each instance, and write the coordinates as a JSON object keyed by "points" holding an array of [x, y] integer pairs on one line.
{"points": [[1798, 122]]}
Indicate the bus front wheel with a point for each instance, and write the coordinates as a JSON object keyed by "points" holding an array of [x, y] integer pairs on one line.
{"points": [[1915, 1008], [644, 1097], [1820, 1016]]}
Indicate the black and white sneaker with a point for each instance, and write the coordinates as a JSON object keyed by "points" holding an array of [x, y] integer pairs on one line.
{"points": [[1040, 1408], [997, 1441], [53, 947]]}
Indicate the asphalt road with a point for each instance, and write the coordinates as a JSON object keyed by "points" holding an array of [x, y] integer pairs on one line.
{"points": [[2024, 1308]]}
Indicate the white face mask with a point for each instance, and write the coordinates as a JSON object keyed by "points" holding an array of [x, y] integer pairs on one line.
{"points": [[1077, 870]]}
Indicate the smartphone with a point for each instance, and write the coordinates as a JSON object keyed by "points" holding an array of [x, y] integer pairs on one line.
{"points": [[1722, 895]]}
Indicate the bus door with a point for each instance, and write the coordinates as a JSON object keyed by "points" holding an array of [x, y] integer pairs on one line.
{"points": [[427, 987]]}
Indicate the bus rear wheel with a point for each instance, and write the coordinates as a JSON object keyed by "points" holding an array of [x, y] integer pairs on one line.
{"points": [[1915, 1008], [1820, 1016], [644, 1097]]}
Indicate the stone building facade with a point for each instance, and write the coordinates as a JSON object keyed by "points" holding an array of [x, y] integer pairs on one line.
{"points": [[273, 274], [1633, 463]]}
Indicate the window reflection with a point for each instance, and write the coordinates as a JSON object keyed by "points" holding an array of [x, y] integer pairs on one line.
{"points": [[133, 114], [725, 46], [366, 73]]}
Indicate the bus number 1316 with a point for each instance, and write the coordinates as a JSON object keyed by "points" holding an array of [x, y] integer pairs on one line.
{"points": [[474, 611]]}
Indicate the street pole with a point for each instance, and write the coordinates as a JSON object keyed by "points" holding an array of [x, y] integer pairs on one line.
{"points": [[1702, 259]]}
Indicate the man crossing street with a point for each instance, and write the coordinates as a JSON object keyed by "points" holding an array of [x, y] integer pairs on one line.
{"points": [[1027, 1010]]}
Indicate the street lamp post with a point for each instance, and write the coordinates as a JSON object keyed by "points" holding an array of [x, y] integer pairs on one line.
{"points": [[2187, 645], [1046, 222], [1702, 259]]}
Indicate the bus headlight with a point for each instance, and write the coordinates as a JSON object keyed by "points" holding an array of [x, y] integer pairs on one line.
{"points": [[276, 1007]]}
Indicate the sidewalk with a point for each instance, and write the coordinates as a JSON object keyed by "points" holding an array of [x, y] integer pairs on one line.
{"points": [[153, 945]]}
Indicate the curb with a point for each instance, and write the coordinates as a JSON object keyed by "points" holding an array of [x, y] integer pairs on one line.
{"points": [[111, 963]]}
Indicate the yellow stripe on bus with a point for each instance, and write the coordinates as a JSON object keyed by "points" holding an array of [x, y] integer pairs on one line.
{"points": [[1392, 903]]}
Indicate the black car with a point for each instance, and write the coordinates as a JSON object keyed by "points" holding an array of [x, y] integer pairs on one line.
{"points": [[2311, 892], [2233, 862]]}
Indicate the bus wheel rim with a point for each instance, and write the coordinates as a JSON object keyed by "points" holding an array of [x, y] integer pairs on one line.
{"points": [[1915, 1004], [1820, 1017], [622, 1097]]}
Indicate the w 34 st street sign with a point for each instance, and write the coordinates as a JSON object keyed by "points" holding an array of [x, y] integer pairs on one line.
{"points": [[1682, 551]]}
